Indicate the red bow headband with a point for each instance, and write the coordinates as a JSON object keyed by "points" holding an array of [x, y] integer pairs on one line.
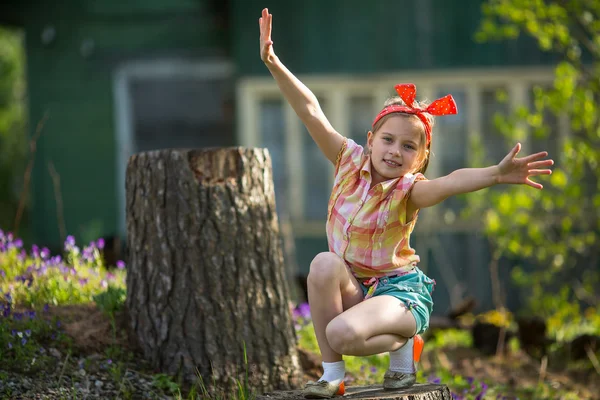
{"points": [[407, 92]]}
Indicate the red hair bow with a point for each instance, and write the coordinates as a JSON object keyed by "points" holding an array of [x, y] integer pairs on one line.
{"points": [[407, 92]]}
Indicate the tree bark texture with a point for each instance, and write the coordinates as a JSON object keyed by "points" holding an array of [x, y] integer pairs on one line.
{"points": [[425, 391], [205, 280]]}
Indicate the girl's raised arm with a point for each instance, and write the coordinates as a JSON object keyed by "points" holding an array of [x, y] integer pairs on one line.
{"points": [[511, 170], [302, 100]]}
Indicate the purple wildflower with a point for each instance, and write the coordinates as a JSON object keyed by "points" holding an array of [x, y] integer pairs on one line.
{"points": [[69, 242], [100, 243], [23, 341], [18, 243], [46, 307], [120, 264], [303, 311], [484, 389], [10, 346], [87, 254], [45, 253], [28, 332]]}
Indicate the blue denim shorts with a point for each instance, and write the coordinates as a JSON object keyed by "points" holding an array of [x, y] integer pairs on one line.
{"points": [[413, 289]]}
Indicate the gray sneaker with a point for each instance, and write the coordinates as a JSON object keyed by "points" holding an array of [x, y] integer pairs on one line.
{"points": [[323, 390], [398, 380]]}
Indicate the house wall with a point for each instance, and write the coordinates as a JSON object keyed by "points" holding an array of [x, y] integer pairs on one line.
{"points": [[73, 50], [357, 36]]}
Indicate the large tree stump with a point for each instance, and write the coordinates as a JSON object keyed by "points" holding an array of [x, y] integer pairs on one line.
{"points": [[205, 275], [426, 391]]}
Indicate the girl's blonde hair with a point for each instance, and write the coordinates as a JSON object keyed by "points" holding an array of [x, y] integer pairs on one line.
{"points": [[424, 151]]}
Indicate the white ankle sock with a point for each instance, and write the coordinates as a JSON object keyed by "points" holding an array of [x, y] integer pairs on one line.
{"points": [[334, 372], [401, 360]]}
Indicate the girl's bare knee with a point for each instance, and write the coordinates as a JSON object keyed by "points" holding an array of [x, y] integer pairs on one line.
{"points": [[342, 337], [323, 268]]}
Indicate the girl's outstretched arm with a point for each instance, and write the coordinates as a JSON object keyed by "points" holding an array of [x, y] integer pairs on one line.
{"points": [[509, 170], [302, 100]]}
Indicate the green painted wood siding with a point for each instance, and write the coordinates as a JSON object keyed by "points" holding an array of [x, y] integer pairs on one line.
{"points": [[76, 94], [357, 36]]}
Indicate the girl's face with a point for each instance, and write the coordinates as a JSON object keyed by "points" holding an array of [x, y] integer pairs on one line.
{"points": [[396, 148]]}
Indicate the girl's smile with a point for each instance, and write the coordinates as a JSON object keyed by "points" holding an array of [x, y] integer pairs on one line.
{"points": [[395, 147]]}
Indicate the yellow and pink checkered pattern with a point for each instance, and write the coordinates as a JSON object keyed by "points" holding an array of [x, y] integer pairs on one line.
{"points": [[368, 228]]}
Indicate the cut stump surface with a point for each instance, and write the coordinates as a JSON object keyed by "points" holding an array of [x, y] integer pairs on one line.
{"points": [[424, 391]]}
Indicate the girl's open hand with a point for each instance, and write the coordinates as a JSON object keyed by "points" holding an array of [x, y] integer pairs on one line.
{"points": [[518, 170], [266, 44]]}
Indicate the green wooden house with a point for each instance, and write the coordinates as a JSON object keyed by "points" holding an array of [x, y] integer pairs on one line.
{"points": [[109, 78]]}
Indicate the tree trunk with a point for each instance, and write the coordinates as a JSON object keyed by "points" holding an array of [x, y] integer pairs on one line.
{"points": [[206, 282]]}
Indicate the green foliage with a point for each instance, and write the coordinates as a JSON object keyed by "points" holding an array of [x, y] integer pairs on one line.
{"points": [[12, 123], [450, 338], [557, 229], [23, 335], [38, 279], [111, 300], [165, 382]]}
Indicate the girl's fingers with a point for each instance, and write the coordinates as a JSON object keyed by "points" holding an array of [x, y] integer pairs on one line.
{"points": [[515, 150], [269, 25], [535, 156], [533, 184], [538, 164], [540, 172]]}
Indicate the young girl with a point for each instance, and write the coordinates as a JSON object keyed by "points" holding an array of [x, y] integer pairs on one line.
{"points": [[367, 295]]}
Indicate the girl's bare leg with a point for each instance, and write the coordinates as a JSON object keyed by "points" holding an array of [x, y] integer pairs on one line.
{"points": [[374, 326], [331, 290]]}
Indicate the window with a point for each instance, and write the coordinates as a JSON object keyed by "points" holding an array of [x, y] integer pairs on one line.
{"points": [[180, 112], [361, 113], [272, 126], [494, 101], [450, 145]]}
